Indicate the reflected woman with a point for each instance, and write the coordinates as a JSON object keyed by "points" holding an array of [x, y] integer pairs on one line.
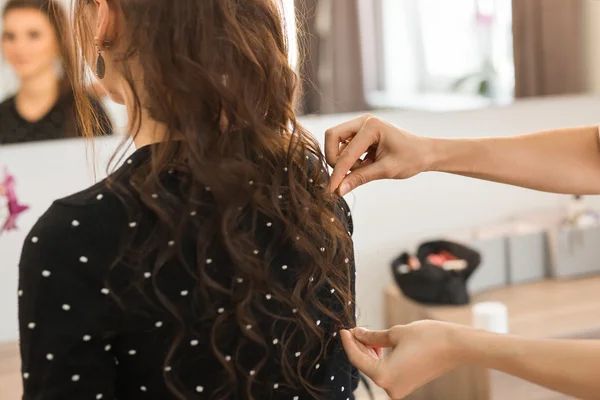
{"points": [[34, 42]]}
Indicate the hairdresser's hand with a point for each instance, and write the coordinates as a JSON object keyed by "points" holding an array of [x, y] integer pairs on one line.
{"points": [[391, 153], [421, 352]]}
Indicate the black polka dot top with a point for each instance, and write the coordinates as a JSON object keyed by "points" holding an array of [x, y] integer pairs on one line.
{"points": [[78, 343], [57, 123]]}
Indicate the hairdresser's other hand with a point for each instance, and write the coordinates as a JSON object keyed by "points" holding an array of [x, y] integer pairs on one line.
{"points": [[389, 153], [421, 352]]}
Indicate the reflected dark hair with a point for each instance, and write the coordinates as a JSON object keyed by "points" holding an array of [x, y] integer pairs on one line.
{"points": [[216, 74], [60, 24]]}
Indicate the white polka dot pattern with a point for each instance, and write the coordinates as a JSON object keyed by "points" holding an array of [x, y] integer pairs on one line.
{"points": [[132, 352]]}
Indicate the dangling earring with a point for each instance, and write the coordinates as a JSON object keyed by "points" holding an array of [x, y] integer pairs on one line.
{"points": [[100, 65]]}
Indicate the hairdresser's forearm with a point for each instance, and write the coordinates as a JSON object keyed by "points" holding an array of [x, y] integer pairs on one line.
{"points": [[567, 366], [560, 161]]}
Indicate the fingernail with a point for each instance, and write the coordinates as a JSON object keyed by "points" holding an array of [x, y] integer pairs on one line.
{"points": [[344, 189]]}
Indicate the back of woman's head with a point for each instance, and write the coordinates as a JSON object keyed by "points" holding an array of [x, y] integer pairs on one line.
{"points": [[215, 75]]}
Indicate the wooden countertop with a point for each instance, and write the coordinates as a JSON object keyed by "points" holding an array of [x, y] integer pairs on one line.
{"points": [[545, 309]]}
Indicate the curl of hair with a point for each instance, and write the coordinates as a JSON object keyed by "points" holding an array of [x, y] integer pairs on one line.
{"points": [[216, 74]]}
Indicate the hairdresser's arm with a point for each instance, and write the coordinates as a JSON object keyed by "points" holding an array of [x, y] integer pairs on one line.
{"points": [[426, 350], [561, 161]]}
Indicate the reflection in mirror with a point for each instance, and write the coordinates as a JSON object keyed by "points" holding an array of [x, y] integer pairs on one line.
{"points": [[41, 105], [440, 55], [457, 53]]}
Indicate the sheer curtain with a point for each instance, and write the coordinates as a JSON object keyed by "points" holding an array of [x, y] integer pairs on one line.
{"points": [[548, 47], [331, 59]]}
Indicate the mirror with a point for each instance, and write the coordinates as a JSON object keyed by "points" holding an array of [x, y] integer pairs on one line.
{"points": [[359, 55], [439, 55], [37, 100]]}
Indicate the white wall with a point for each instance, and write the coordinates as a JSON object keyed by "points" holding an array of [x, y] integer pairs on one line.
{"points": [[388, 216]]}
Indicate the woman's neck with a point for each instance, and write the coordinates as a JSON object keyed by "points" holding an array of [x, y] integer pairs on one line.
{"points": [[145, 130], [37, 95], [149, 131]]}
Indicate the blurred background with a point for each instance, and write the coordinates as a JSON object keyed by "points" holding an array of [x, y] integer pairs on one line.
{"points": [[459, 68], [433, 55]]}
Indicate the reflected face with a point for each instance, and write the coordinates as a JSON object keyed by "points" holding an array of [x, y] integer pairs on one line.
{"points": [[29, 42]]}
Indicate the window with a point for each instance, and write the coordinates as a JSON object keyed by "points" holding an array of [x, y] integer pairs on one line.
{"points": [[455, 53], [290, 21]]}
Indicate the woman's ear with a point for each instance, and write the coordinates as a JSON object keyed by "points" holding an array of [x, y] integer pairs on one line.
{"points": [[105, 22]]}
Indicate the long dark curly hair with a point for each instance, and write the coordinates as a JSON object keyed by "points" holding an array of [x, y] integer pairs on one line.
{"points": [[216, 73]]}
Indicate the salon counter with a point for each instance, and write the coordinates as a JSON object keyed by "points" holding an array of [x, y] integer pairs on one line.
{"points": [[545, 309]]}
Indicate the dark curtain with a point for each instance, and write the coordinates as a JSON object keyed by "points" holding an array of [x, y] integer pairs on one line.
{"points": [[547, 39], [330, 56]]}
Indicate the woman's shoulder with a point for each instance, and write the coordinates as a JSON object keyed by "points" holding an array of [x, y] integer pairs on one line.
{"points": [[318, 170], [90, 219], [7, 105], [8, 101]]}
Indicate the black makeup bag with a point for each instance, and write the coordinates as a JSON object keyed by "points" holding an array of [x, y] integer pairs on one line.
{"points": [[431, 284]]}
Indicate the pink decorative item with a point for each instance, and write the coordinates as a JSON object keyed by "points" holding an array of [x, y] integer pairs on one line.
{"points": [[7, 189]]}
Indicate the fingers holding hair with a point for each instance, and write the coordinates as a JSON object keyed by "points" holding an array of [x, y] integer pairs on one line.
{"points": [[363, 133]]}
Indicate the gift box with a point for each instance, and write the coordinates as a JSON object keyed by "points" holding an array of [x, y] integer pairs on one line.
{"points": [[574, 252]]}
